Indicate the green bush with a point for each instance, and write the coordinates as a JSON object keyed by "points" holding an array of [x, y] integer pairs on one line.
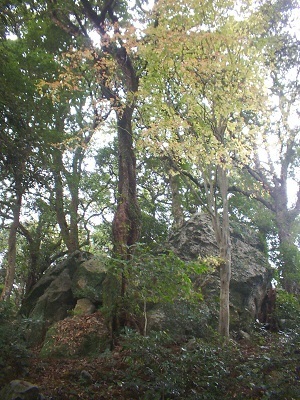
{"points": [[13, 354], [160, 368], [287, 310], [151, 279]]}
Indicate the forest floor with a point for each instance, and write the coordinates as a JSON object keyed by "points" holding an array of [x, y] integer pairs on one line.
{"points": [[159, 368]]}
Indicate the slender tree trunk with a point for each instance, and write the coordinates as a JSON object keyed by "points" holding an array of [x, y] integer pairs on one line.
{"points": [[12, 243], [177, 210], [285, 219], [225, 254], [126, 223], [225, 276], [223, 238], [288, 252], [69, 233]]}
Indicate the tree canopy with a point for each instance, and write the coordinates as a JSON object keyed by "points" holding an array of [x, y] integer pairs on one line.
{"points": [[118, 120]]}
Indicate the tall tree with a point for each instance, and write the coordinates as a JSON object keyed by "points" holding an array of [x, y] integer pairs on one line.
{"points": [[20, 158], [202, 75], [119, 87], [274, 167], [118, 79], [26, 116]]}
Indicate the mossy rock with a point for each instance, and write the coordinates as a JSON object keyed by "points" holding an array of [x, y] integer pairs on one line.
{"points": [[76, 336], [20, 390], [88, 280]]}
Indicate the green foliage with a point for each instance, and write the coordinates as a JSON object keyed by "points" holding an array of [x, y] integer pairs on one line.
{"points": [[13, 350], [271, 371], [151, 278], [162, 277], [154, 231], [289, 265], [288, 309], [160, 368]]}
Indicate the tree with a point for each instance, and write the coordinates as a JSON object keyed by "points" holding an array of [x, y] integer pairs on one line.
{"points": [[274, 167], [20, 158], [26, 121], [120, 93], [118, 78], [203, 74]]}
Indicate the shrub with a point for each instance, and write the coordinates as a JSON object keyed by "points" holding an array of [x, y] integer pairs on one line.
{"points": [[13, 353], [160, 368]]}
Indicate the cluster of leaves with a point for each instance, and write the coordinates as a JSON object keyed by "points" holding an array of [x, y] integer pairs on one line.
{"points": [[160, 368], [13, 355], [152, 278], [287, 310], [269, 366], [75, 336]]}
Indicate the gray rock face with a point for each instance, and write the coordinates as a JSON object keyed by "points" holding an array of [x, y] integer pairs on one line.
{"points": [[251, 273], [20, 390], [80, 276], [84, 307]]}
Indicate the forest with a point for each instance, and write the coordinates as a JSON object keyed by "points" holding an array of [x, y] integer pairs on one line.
{"points": [[149, 199]]}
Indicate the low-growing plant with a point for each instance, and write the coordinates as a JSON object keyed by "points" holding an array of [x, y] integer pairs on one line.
{"points": [[161, 368], [160, 279], [13, 352], [151, 278], [287, 309]]}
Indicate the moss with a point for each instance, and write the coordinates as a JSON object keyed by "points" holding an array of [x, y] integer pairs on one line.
{"points": [[76, 336]]}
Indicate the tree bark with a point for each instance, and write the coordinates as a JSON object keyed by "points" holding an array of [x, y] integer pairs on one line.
{"points": [[177, 211], [225, 254], [126, 222], [12, 242], [69, 232], [221, 227]]}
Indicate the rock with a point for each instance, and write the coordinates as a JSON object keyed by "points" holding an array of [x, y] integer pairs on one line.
{"points": [[84, 307], [84, 335], [56, 294], [20, 390], [87, 281], [251, 273], [86, 377], [244, 335], [156, 319]]}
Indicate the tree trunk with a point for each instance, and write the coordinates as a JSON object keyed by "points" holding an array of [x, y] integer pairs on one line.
{"points": [[69, 233], [223, 238], [126, 224], [289, 252], [177, 211], [285, 219], [225, 254], [224, 313], [12, 244]]}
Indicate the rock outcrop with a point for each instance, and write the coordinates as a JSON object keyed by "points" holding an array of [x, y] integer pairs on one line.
{"points": [[20, 390], [75, 287], [251, 272], [74, 283]]}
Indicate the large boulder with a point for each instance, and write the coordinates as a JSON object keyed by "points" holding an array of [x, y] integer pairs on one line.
{"points": [[251, 272], [20, 390], [75, 281], [84, 335]]}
